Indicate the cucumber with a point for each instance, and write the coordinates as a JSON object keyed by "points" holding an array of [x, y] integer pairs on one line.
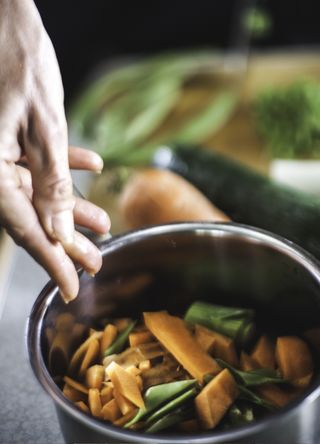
{"points": [[245, 195]]}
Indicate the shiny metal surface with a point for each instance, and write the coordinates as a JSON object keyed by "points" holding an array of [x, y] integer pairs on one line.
{"points": [[224, 263]]}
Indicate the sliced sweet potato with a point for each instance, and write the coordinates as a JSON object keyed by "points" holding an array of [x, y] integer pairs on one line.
{"points": [[221, 346], [111, 411], [80, 352], [124, 404], [126, 418], [173, 334], [139, 337], [215, 399], [95, 376], [125, 383], [294, 360], [264, 353], [145, 365], [110, 333], [204, 338], [247, 363], [72, 394], [277, 395], [90, 356], [94, 402], [106, 394], [76, 385], [82, 406]]}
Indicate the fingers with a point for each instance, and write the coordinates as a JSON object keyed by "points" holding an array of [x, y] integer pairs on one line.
{"points": [[82, 159], [46, 149], [90, 216], [18, 216], [85, 253]]}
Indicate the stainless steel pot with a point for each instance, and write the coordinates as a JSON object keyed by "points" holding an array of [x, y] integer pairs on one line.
{"points": [[229, 264]]}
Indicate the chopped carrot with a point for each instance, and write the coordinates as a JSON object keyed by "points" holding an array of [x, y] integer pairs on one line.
{"points": [[82, 406], [124, 404], [110, 333], [121, 323], [95, 376], [80, 352], [76, 385], [106, 394], [221, 346], [95, 402], [89, 357], [205, 340], [145, 365], [277, 395], [126, 418], [264, 353], [72, 394], [247, 363], [111, 411], [172, 332], [139, 337], [133, 370], [125, 383], [215, 399], [294, 360]]}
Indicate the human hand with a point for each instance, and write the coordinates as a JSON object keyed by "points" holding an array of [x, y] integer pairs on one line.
{"points": [[38, 208]]}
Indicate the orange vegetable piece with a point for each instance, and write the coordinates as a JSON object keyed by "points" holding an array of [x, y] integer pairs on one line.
{"points": [[126, 418], [264, 353], [95, 402], [139, 337], [111, 411], [89, 357], [205, 340], [221, 346], [80, 352], [110, 333], [73, 394], [125, 383], [247, 363], [76, 385], [82, 406], [95, 376], [106, 394], [145, 365], [277, 395], [215, 399], [173, 334], [124, 404], [294, 360]]}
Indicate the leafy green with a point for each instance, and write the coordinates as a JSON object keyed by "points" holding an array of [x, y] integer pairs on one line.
{"points": [[240, 414], [253, 377], [237, 323], [158, 395], [288, 118], [248, 395], [170, 420], [120, 341]]}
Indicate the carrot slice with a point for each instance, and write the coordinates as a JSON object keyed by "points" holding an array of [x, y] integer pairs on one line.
{"points": [[95, 376], [106, 394], [95, 402], [277, 395], [82, 406], [80, 352], [72, 394], [76, 385], [139, 337], [126, 418], [125, 383], [221, 346], [111, 411], [109, 335], [264, 354], [172, 332], [90, 355], [247, 363], [124, 404]]}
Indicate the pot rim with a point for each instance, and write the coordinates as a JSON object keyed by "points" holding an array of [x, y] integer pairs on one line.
{"points": [[42, 303]]}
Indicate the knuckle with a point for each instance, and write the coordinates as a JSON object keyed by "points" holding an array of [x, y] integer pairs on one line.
{"points": [[58, 188]]}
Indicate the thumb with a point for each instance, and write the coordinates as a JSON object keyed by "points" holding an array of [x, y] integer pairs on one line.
{"points": [[47, 153]]}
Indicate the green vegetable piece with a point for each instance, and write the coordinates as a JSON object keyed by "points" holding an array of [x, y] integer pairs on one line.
{"points": [[172, 405], [248, 395], [289, 119], [158, 395], [240, 415], [120, 341], [170, 420], [237, 323], [253, 377]]}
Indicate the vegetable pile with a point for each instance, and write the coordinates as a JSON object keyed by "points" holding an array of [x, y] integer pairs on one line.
{"points": [[208, 370]]}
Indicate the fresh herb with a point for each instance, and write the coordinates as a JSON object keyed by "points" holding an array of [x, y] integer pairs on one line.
{"points": [[171, 419], [253, 377], [158, 395], [288, 118], [118, 345], [237, 323], [248, 395]]}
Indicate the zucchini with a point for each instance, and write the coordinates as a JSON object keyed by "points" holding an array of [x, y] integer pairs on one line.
{"points": [[245, 195]]}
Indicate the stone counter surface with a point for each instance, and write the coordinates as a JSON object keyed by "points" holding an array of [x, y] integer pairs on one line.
{"points": [[27, 414]]}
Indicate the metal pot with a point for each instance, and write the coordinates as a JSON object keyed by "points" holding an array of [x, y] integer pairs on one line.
{"points": [[227, 264]]}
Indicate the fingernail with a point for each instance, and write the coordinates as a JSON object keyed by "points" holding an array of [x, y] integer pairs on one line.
{"points": [[63, 227], [104, 219], [98, 162], [66, 297], [91, 273]]}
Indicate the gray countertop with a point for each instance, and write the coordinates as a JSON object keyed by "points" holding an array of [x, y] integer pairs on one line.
{"points": [[27, 414]]}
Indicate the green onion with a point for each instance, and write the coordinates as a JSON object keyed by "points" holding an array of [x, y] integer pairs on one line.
{"points": [[158, 395], [118, 345], [248, 395], [237, 323], [171, 419], [253, 377]]}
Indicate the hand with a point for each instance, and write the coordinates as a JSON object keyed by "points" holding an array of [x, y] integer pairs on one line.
{"points": [[38, 208]]}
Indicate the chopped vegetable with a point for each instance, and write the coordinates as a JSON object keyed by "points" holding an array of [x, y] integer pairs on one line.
{"points": [[263, 353], [82, 406], [72, 394], [215, 399], [94, 400], [124, 404], [139, 337], [106, 394], [95, 376], [222, 347], [90, 356], [111, 411], [125, 383], [246, 362], [277, 395], [118, 345], [109, 335], [237, 323], [250, 396], [253, 377], [173, 334], [76, 385], [81, 351], [295, 360]]}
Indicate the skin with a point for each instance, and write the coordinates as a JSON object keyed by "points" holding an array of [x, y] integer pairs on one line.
{"points": [[37, 206]]}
